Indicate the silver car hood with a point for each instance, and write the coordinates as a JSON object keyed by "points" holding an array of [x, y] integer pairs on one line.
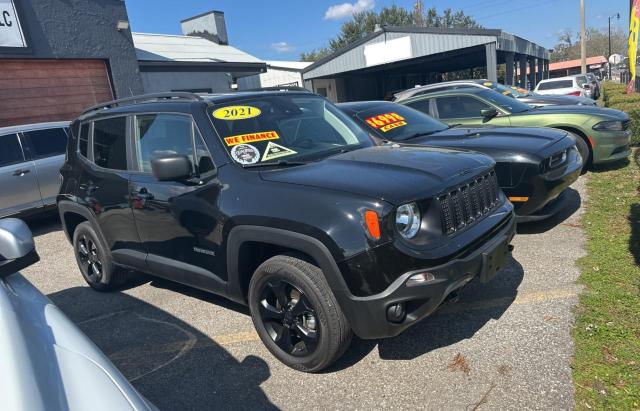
{"points": [[47, 363]]}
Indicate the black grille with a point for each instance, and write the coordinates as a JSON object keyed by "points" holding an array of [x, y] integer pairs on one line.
{"points": [[463, 205]]}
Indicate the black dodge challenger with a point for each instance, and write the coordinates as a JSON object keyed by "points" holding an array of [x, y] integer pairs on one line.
{"points": [[534, 165]]}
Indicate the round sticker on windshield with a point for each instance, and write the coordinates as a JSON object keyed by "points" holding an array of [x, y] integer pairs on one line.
{"points": [[236, 112], [245, 154]]}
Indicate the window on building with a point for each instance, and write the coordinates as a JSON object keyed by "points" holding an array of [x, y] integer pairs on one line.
{"points": [[48, 142], [10, 150], [109, 143]]}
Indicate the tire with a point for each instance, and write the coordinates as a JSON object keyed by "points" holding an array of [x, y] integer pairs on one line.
{"points": [[583, 149], [296, 314], [94, 262]]}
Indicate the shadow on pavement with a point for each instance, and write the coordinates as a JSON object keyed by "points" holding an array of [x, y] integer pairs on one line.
{"points": [[634, 224], [479, 303], [44, 224], [171, 363], [537, 227]]}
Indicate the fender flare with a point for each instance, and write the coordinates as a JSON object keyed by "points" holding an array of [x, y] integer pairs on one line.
{"points": [[67, 206], [284, 238]]}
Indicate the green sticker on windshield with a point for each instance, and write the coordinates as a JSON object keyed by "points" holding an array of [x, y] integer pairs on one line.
{"points": [[274, 151]]}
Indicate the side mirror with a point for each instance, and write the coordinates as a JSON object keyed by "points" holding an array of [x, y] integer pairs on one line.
{"points": [[171, 168], [17, 249], [488, 113]]}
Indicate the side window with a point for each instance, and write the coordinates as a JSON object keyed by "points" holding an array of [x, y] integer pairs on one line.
{"points": [[109, 143], [83, 140], [10, 150], [48, 143], [459, 107], [420, 105], [159, 135]]}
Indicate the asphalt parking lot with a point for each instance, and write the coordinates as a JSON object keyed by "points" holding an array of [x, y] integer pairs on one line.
{"points": [[505, 345]]}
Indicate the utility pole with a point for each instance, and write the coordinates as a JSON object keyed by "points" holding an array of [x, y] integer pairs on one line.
{"points": [[583, 43], [617, 16]]}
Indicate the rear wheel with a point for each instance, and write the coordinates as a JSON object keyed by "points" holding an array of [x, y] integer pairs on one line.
{"points": [[296, 314], [94, 262]]}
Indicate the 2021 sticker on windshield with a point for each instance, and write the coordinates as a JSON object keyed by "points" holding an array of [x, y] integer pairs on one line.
{"points": [[236, 112], [245, 154]]}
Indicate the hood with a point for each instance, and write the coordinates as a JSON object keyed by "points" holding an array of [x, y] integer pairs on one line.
{"points": [[557, 100], [394, 173], [587, 110], [495, 141]]}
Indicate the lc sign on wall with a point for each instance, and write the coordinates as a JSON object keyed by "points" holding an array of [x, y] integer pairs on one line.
{"points": [[11, 34]]}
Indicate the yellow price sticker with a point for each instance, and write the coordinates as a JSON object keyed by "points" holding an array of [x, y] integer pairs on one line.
{"points": [[236, 112]]}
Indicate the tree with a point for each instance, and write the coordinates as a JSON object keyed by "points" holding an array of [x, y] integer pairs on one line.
{"points": [[315, 54], [597, 44], [364, 23]]}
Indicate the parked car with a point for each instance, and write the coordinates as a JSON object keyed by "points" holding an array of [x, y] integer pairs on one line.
{"points": [[605, 132], [535, 166], [595, 85], [46, 362], [565, 86], [525, 96], [279, 201], [30, 160]]}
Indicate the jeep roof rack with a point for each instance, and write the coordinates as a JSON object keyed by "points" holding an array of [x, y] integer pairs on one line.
{"points": [[173, 96]]}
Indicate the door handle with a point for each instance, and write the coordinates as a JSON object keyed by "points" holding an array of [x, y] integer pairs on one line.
{"points": [[20, 173]]}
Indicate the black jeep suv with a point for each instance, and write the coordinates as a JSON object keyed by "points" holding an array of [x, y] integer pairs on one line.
{"points": [[278, 200]]}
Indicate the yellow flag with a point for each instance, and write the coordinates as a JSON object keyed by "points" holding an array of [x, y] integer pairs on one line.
{"points": [[634, 23]]}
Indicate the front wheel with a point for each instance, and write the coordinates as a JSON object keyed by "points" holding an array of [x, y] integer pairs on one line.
{"points": [[296, 314]]}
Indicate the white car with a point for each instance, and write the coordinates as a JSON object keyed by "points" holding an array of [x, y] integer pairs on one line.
{"points": [[46, 362], [565, 86]]}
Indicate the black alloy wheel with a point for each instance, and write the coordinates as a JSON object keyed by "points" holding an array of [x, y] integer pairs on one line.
{"points": [[89, 258], [289, 318]]}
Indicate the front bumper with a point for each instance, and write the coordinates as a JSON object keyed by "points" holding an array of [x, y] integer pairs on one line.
{"points": [[610, 146], [368, 315], [543, 190]]}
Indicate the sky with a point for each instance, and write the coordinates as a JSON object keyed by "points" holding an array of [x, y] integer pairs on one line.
{"points": [[282, 29]]}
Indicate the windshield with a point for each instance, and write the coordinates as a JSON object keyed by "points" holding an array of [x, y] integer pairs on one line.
{"points": [[510, 104], [396, 122], [502, 89], [274, 129]]}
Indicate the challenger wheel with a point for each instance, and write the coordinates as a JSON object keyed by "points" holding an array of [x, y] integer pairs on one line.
{"points": [[93, 260], [296, 314]]}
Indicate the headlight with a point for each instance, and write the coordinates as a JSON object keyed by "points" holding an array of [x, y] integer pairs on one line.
{"points": [[408, 220], [614, 125]]}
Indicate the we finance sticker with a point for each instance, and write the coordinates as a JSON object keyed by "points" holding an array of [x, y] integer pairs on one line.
{"points": [[387, 121], [236, 112], [251, 138], [274, 151]]}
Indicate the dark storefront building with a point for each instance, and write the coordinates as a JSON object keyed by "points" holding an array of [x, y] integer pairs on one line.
{"points": [[58, 57]]}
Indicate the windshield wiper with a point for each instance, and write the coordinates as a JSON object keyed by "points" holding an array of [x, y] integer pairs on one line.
{"points": [[424, 133], [281, 163]]}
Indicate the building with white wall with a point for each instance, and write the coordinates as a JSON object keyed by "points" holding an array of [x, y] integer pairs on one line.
{"points": [[278, 74]]}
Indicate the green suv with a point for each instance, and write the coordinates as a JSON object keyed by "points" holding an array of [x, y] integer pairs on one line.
{"points": [[606, 131]]}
